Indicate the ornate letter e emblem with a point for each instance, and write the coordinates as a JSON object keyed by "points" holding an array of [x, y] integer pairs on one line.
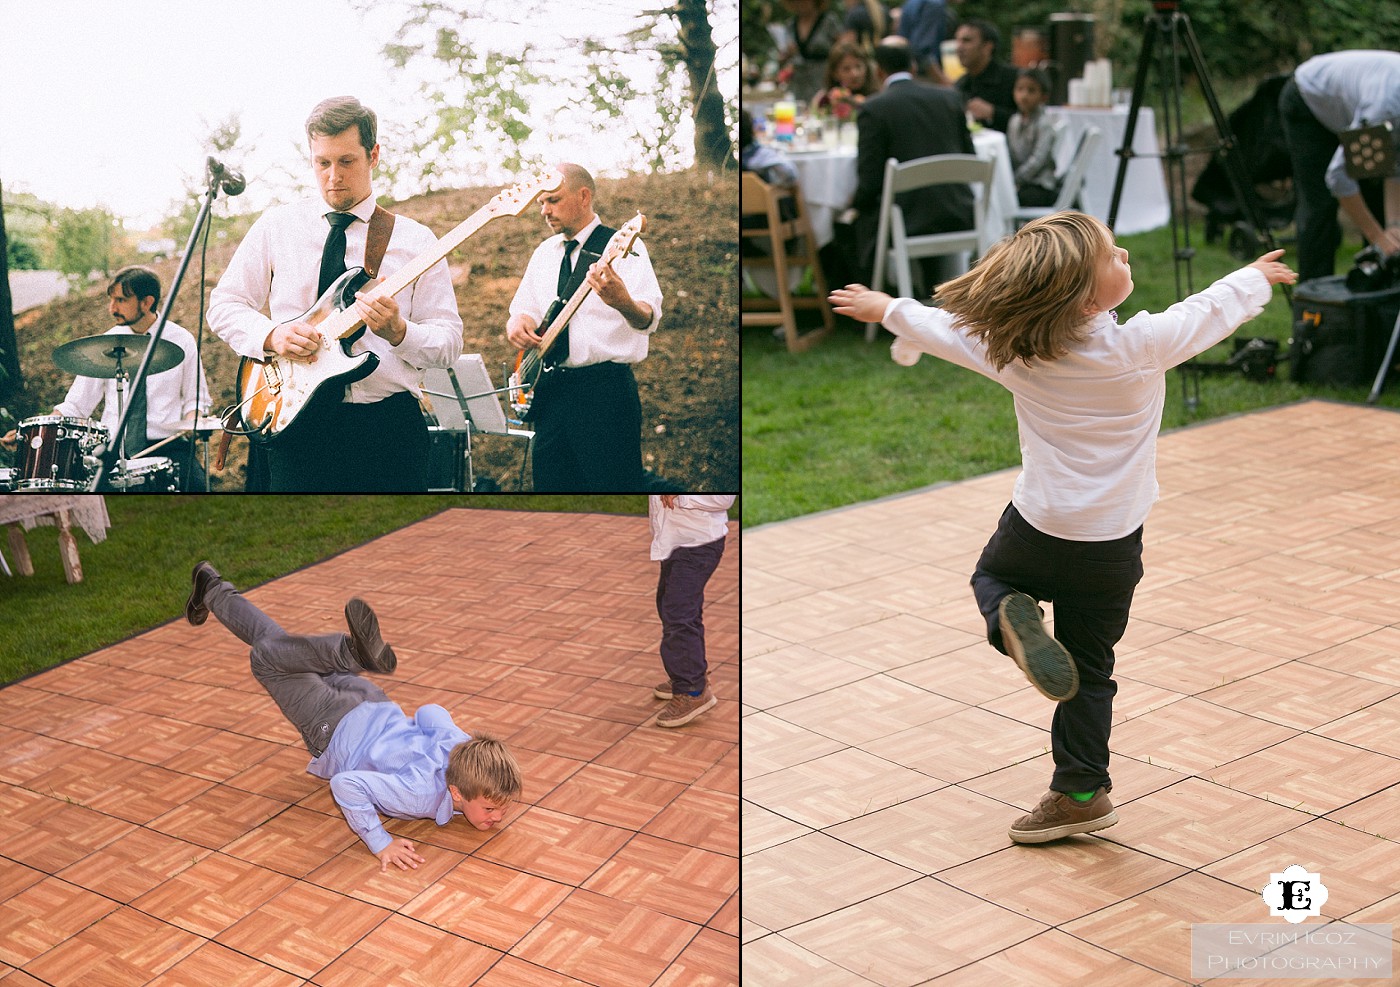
{"points": [[1295, 894]]}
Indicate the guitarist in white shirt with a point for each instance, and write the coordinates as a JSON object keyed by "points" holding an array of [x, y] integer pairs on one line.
{"points": [[586, 413], [375, 437]]}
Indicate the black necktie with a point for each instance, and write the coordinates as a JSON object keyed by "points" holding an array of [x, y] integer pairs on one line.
{"points": [[565, 268], [333, 253], [136, 424]]}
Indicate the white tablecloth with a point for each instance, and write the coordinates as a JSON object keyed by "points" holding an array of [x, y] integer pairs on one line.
{"points": [[828, 180], [87, 511], [1143, 205]]}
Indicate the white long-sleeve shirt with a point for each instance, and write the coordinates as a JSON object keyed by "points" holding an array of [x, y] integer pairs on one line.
{"points": [[286, 241], [1089, 420], [697, 519], [598, 333], [170, 394]]}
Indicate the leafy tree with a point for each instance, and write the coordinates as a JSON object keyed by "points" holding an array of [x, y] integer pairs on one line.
{"points": [[21, 254], [492, 99], [86, 240]]}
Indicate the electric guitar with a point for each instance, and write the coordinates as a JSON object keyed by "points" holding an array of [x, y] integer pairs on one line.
{"points": [[532, 365], [274, 391]]}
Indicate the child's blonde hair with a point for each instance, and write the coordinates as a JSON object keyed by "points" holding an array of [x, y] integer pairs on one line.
{"points": [[483, 767], [1031, 295]]}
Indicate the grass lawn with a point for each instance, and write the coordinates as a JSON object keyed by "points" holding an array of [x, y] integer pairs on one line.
{"points": [[140, 575], [843, 423]]}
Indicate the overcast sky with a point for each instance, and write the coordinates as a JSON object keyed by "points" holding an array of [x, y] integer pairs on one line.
{"points": [[108, 103]]}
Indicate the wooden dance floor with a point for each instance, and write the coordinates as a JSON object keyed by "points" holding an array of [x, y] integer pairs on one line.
{"points": [[157, 825], [887, 747]]}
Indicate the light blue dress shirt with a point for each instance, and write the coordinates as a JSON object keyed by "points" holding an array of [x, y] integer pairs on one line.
{"points": [[382, 762]]}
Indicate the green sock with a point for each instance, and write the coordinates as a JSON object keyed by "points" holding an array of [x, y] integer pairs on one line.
{"points": [[1080, 796]]}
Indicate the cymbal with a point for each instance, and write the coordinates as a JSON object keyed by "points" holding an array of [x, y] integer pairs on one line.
{"points": [[99, 356]]}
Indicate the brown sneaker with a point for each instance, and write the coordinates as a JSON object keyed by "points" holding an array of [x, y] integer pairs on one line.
{"points": [[204, 576], [1044, 660], [682, 709], [1059, 815], [369, 648], [662, 691]]}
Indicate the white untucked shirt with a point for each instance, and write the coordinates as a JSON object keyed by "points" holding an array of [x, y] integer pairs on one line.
{"points": [[278, 264], [1089, 420], [697, 519], [170, 394]]}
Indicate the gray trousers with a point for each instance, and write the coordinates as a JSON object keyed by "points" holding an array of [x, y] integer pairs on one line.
{"points": [[315, 680]]}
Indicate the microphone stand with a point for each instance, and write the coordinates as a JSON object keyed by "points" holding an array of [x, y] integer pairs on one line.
{"points": [[108, 455]]}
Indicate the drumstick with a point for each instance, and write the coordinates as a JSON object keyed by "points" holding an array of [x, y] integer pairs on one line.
{"points": [[152, 448]]}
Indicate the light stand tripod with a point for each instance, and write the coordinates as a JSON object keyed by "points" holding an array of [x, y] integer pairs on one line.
{"points": [[1167, 24]]}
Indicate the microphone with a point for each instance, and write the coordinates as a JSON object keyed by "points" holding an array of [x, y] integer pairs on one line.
{"points": [[230, 181]]}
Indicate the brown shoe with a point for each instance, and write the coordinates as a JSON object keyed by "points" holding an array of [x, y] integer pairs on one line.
{"points": [[682, 709], [663, 691], [368, 647], [204, 576], [1058, 815], [1044, 660]]}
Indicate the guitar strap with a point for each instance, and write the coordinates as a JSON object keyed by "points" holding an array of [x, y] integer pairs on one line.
{"points": [[589, 252], [381, 227]]}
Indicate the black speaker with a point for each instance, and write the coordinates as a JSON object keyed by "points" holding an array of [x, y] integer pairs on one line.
{"points": [[1071, 47], [447, 461]]}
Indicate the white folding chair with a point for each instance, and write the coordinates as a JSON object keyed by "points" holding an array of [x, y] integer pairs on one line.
{"points": [[1070, 185], [897, 247]]}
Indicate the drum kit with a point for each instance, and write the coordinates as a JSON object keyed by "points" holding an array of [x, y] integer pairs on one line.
{"points": [[59, 452]]}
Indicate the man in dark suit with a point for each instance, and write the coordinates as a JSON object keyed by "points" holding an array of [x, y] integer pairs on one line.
{"points": [[908, 119]]}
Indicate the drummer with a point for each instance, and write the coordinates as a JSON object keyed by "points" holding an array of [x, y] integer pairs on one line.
{"points": [[132, 298]]}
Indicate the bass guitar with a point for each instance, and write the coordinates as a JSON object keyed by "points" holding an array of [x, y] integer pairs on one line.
{"points": [[532, 365], [273, 392]]}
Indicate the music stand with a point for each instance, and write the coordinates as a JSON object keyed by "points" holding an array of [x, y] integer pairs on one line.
{"points": [[472, 404]]}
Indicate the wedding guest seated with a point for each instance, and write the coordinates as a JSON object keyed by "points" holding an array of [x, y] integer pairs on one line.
{"points": [[849, 79], [1031, 138]]}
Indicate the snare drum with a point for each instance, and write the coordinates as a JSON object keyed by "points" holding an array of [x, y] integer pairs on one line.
{"points": [[146, 474], [54, 452]]}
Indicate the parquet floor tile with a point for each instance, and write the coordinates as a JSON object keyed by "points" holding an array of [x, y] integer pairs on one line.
{"points": [[158, 827], [1254, 726]]}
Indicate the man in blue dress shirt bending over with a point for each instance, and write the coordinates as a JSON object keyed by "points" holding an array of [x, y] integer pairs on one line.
{"points": [[378, 759]]}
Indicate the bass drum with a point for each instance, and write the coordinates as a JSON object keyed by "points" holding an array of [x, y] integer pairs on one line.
{"points": [[56, 452]]}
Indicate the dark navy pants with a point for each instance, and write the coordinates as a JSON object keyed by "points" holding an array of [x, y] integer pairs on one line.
{"points": [[1091, 586], [680, 597]]}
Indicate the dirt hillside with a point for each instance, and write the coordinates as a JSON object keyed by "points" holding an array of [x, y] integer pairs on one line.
{"points": [[689, 382]]}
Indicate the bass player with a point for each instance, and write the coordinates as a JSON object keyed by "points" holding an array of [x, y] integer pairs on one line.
{"points": [[585, 410], [371, 434]]}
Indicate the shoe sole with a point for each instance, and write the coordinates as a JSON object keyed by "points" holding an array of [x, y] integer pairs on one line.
{"points": [[364, 630], [683, 720], [1044, 660], [1060, 832], [195, 613]]}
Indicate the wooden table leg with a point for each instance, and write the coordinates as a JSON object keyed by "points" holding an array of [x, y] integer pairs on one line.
{"points": [[23, 562], [68, 550]]}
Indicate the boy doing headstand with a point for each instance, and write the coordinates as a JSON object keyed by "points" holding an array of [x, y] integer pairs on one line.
{"points": [[378, 759], [1036, 315]]}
